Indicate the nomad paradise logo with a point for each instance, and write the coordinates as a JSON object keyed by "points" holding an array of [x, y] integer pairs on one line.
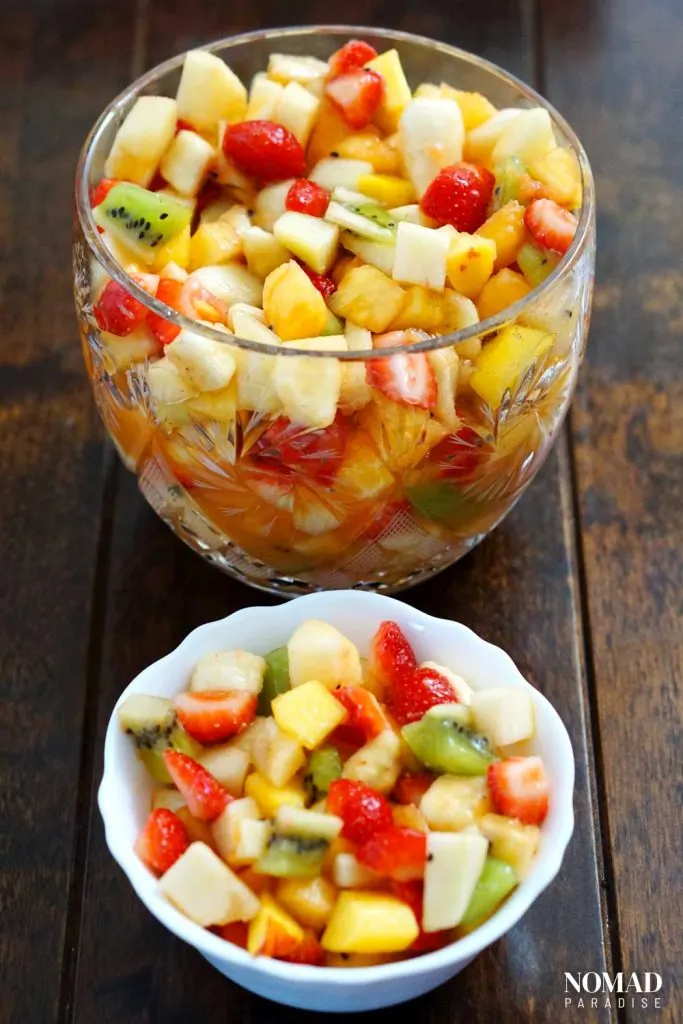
{"points": [[594, 991]]}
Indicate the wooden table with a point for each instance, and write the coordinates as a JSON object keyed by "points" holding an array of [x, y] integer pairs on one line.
{"points": [[582, 584]]}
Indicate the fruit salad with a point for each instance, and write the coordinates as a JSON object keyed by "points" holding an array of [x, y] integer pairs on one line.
{"points": [[327, 208], [324, 808]]}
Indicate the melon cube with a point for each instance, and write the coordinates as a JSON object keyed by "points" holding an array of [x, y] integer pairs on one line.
{"points": [[420, 256], [142, 140], [309, 713], [318, 651], [297, 109], [209, 92], [203, 888], [186, 162]]}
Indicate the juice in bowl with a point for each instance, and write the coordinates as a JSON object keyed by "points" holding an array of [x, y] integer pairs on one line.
{"points": [[333, 287]]}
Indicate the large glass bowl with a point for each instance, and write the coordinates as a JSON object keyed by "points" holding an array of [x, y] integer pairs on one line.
{"points": [[407, 501]]}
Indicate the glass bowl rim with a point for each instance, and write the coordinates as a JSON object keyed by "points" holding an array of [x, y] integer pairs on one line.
{"points": [[479, 329]]}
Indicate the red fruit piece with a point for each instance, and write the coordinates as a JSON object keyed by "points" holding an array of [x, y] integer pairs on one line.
{"points": [[352, 55], [163, 330], [356, 95], [308, 951], [397, 852], [325, 285], [204, 795], [162, 840], [264, 150], [391, 656], [212, 716], [407, 378], [363, 809], [412, 786], [119, 312], [306, 197], [550, 225], [235, 932], [409, 697], [313, 453], [100, 191], [459, 195], [520, 789], [366, 718], [458, 455], [412, 894], [183, 126]]}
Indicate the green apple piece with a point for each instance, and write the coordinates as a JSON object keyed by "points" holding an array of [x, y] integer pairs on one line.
{"points": [[421, 256], [455, 861], [312, 239], [503, 715], [496, 881]]}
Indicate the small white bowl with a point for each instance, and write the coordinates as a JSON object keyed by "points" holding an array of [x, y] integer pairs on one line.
{"points": [[124, 796]]}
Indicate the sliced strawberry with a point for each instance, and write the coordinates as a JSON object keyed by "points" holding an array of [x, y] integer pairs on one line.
{"points": [[366, 718], [391, 656], [210, 716], [520, 789], [235, 932], [313, 453], [410, 696], [308, 951], [204, 795], [397, 852], [412, 786], [550, 225], [157, 182], [100, 191], [306, 197], [162, 840], [264, 150], [363, 809], [119, 312], [459, 195], [458, 455], [352, 55], [182, 125], [198, 303], [412, 893], [356, 95], [324, 284], [407, 378], [164, 331]]}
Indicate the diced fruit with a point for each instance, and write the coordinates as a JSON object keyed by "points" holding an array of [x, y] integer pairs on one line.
{"points": [[264, 95], [364, 922], [455, 862], [255, 387], [119, 312], [352, 55], [349, 873], [308, 712], [480, 141], [273, 932], [235, 933], [413, 694], [397, 852], [363, 809], [463, 691], [528, 136], [459, 195], [221, 287], [162, 841], [214, 243], [270, 797], [326, 287], [502, 290], [411, 787], [168, 798], [475, 108], [422, 309], [228, 765], [292, 856], [270, 203], [506, 228], [496, 881], [152, 724], [318, 651], [387, 189], [445, 364], [396, 95], [368, 147], [335, 172], [323, 767], [310, 900], [313, 453], [305, 196], [406, 378], [559, 173], [201, 886], [186, 162], [366, 718], [470, 263], [229, 670], [288, 67], [209, 92], [536, 264], [511, 841], [204, 795], [431, 138], [357, 94], [520, 789], [167, 388], [506, 359], [227, 830], [198, 831], [296, 110], [550, 226], [262, 251], [100, 191], [377, 764], [442, 743], [142, 220], [450, 803], [505, 716], [309, 238], [208, 365], [142, 139], [391, 656], [292, 303], [163, 330], [265, 150], [412, 893], [377, 254], [306, 824], [275, 680], [276, 754], [211, 716], [309, 387], [420, 256], [309, 951]]}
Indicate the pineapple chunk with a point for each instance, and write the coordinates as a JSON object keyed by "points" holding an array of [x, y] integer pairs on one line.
{"points": [[142, 140], [292, 304], [209, 92], [135, 347], [450, 803], [297, 109], [506, 359], [475, 108], [288, 67], [431, 137], [364, 922], [263, 252], [355, 390], [463, 690], [387, 189], [264, 97], [319, 651], [446, 366], [310, 900], [377, 764], [396, 94], [230, 283], [470, 262], [368, 147], [506, 228], [227, 826], [421, 256], [229, 670], [409, 816], [505, 716], [454, 863], [273, 931], [173, 258], [208, 365], [313, 516], [422, 309], [349, 873], [511, 841], [186, 162], [166, 385], [402, 434], [214, 243], [229, 765], [312, 239], [276, 755], [479, 142], [309, 713], [369, 298], [309, 387], [255, 385], [270, 797], [203, 888], [527, 137], [501, 291], [292, 821], [362, 475], [335, 172], [558, 171], [270, 203]]}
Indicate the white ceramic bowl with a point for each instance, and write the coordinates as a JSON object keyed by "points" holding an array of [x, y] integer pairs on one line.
{"points": [[124, 796]]}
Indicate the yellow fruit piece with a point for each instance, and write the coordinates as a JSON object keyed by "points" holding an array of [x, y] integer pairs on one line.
{"points": [[469, 263], [474, 107], [402, 434], [197, 831], [214, 243], [310, 900], [270, 797], [273, 931], [409, 816], [362, 474], [387, 189], [328, 132], [219, 406], [559, 172], [396, 93], [366, 922], [500, 291], [368, 146], [309, 713], [422, 308], [176, 250], [511, 841], [292, 304], [367, 297], [257, 883], [506, 359], [506, 228], [343, 265]]}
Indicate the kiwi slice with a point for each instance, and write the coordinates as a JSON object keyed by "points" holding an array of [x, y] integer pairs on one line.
{"points": [[535, 264], [443, 743], [292, 857], [509, 175], [496, 881], [333, 326], [441, 501], [276, 679], [141, 219], [353, 212], [152, 724], [324, 766]]}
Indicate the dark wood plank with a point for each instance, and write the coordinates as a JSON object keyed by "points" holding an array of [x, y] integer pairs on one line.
{"points": [[615, 69]]}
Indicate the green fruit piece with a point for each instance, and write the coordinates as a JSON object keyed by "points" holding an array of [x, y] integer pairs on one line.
{"points": [[333, 326], [496, 881], [141, 219], [443, 743], [292, 857], [441, 501], [355, 213], [535, 264], [152, 724], [324, 766], [276, 679], [508, 178]]}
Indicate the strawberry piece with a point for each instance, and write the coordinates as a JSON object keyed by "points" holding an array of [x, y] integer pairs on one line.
{"points": [[306, 197], [162, 840], [100, 191], [363, 809], [412, 893], [182, 125], [520, 789], [119, 312], [397, 852], [324, 284], [163, 330], [356, 95], [410, 696], [407, 378], [550, 225], [235, 932], [351, 56], [308, 951], [412, 786], [264, 150], [391, 656], [366, 718], [204, 795], [157, 182], [459, 195], [458, 455], [214, 715], [198, 303], [313, 453]]}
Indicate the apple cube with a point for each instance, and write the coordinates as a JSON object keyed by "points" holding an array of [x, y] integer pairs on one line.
{"points": [[209, 92], [289, 67], [310, 387], [229, 670], [262, 251], [335, 172], [230, 283], [349, 873], [142, 140], [297, 109], [505, 716], [309, 713], [270, 203], [455, 860], [264, 96], [377, 764], [527, 137], [420, 256], [431, 136], [203, 888], [207, 365], [312, 239], [319, 651], [186, 162], [229, 765], [449, 804]]}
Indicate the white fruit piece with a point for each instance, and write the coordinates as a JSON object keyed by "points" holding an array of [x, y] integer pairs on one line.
{"points": [[449, 804], [169, 799], [229, 765], [229, 670], [377, 764], [352, 221], [172, 272], [186, 162], [377, 254], [270, 203], [420, 256], [308, 386], [208, 365], [226, 173], [445, 364], [312, 239], [166, 385], [264, 95], [335, 172], [234, 842], [209, 92], [263, 252], [241, 309], [203, 888], [511, 841], [230, 283], [276, 755], [255, 371], [413, 214], [430, 137], [312, 516], [463, 690], [238, 218], [297, 109], [288, 67], [349, 873], [295, 821], [481, 140], [318, 651], [454, 863], [505, 716], [247, 739], [527, 137], [142, 140], [135, 347], [356, 393]]}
